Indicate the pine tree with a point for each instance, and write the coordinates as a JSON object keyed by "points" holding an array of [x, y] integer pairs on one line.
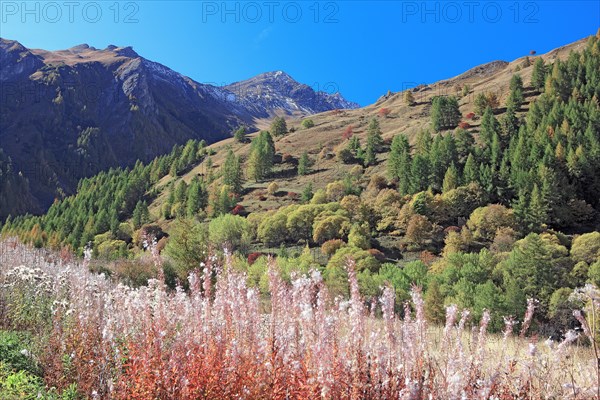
{"points": [[374, 135], [180, 192], [303, 164], [223, 200], [537, 211], [445, 113], [240, 134], [210, 174], [140, 214], [434, 303], [419, 174], [307, 193], [354, 144], [196, 197], [450, 179], [538, 75], [262, 152], [370, 158], [232, 172], [470, 170], [398, 148], [516, 97], [481, 103], [489, 127]]}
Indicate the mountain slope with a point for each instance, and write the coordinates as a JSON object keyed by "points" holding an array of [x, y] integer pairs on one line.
{"points": [[72, 113], [279, 91]]}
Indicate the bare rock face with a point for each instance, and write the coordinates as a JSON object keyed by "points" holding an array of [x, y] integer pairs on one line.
{"points": [[71, 113], [16, 61], [278, 91]]}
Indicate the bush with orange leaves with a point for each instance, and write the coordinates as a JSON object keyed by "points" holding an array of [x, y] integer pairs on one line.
{"points": [[384, 112], [215, 341]]}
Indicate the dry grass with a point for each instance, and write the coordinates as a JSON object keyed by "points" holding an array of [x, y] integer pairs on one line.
{"points": [[329, 126]]}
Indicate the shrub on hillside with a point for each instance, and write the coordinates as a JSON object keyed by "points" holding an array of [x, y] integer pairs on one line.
{"points": [[331, 246]]}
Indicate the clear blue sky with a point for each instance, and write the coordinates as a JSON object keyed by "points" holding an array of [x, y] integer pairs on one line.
{"points": [[360, 48]]}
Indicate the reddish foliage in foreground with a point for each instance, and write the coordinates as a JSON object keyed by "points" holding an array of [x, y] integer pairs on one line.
{"points": [[217, 342], [470, 115], [464, 125]]}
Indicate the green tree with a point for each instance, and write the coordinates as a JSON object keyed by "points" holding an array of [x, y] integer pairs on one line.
{"points": [[307, 193], [485, 221], [538, 75], [489, 127], [307, 123], [586, 248], [450, 179], [196, 197], [535, 265], [515, 99], [538, 210], [230, 231], [444, 113], [399, 162], [140, 214], [232, 172], [304, 164], [360, 236], [374, 135], [369, 158], [240, 134], [419, 173], [222, 200], [470, 170], [278, 126], [434, 303], [187, 246], [261, 157]]}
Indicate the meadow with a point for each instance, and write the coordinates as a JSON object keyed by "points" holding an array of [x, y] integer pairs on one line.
{"points": [[81, 334]]}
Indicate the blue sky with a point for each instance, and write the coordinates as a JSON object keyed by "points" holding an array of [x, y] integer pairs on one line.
{"points": [[362, 49]]}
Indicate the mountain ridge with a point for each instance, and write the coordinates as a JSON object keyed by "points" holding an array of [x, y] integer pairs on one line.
{"points": [[71, 113]]}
